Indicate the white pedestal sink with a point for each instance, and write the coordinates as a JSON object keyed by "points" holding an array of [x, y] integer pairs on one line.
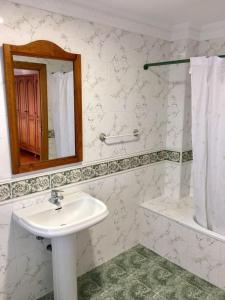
{"points": [[64, 267], [79, 211]]}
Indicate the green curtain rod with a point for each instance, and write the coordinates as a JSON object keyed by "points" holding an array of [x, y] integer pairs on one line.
{"points": [[172, 62]]}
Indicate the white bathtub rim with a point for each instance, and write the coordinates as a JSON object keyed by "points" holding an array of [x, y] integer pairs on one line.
{"points": [[186, 219]]}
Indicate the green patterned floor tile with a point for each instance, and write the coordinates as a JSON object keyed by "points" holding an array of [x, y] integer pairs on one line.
{"points": [[103, 295], [132, 289], [107, 275], [130, 261], [216, 294], [146, 252], [198, 282], [87, 288], [140, 274], [171, 267], [154, 276], [128, 289], [179, 289]]}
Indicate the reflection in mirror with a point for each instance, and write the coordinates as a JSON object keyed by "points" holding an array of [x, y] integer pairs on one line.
{"points": [[44, 91], [44, 100]]}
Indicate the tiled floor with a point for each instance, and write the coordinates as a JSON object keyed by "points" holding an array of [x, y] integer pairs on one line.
{"points": [[140, 274]]}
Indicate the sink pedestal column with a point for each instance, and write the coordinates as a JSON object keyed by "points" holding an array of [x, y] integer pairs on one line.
{"points": [[64, 267]]}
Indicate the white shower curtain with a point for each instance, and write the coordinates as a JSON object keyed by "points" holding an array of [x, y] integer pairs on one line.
{"points": [[208, 141], [61, 101]]}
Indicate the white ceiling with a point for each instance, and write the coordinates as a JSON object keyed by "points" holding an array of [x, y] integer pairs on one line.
{"points": [[167, 12], [168, 19]]}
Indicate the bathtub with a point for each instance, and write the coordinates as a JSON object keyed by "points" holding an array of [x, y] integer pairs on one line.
{"points": [[168, 228]]}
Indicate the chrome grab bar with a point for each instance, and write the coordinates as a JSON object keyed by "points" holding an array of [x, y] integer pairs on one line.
{"points": [[103, 137]]}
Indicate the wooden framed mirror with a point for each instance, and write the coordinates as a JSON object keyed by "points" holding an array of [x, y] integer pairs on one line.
{"points": [[44, 99]]}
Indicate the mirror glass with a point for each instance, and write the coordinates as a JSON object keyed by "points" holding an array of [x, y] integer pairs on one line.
{"points": [[44, 91]]}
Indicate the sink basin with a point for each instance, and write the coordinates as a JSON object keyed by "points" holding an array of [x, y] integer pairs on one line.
{"points": [[79, 211]]}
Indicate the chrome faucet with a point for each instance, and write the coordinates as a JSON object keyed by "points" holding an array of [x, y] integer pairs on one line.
{"points": [[56, 198]]}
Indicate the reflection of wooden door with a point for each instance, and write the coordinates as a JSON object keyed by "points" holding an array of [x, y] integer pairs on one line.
{"points": [[28, 110], [38, 115], [33, 114]]}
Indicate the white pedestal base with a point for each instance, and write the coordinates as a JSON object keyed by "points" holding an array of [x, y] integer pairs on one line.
{"points": [[64, 267]]}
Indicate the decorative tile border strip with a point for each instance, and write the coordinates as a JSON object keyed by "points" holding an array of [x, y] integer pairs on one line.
{"points": [[51, 134], [5, 191], [187, 156], [30, 186], [172, 156], [20, 188], [102, 169]]}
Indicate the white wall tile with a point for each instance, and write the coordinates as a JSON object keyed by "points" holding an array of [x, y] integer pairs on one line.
{"points": [[118, 95], [197, 252]]}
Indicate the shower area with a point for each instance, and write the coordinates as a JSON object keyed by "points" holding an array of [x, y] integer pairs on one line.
{"points": [[186, 224]]}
